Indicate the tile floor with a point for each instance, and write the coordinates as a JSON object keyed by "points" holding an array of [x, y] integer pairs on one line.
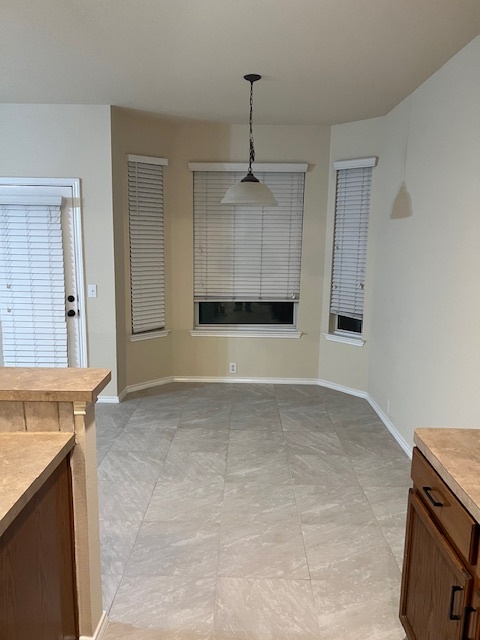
{"points": [[241, 511]]}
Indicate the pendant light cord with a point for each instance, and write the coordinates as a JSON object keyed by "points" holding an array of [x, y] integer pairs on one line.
{"points": [[252, 146]]}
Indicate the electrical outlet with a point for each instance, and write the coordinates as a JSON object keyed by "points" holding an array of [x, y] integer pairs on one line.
{"points": [[92, 290], [232, 367]]}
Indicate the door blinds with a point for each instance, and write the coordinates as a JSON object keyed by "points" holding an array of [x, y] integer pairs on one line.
{"points": [[147, 255], [247, 253], [32, 286], [350, 241]]}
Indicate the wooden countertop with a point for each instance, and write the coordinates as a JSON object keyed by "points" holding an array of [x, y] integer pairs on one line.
{"points": [[26, 461], [455, 456], [52, 384]]}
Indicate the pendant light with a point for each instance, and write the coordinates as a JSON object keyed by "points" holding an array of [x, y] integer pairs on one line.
{"points": [[250, 190]]}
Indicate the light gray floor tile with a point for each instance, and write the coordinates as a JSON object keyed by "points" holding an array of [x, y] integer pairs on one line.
{"points": [[259, 423], [187, 502], [162, 420], [117, 538], [244, 441], [204, 418], [149, 439], [326, 541], [267, 550], [262, 468], [296, 421], [196, 466], [393, 528], [315, 496], [254, 503], [201, 439], [375, 620], [175, 548], [356, 580], [347, 505], [311, 443], [257, 609], [331, 472], [123, 501], [129, 467], [175, 607]]}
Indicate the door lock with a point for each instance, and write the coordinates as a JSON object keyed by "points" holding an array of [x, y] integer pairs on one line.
{"points": [[71, 313]]}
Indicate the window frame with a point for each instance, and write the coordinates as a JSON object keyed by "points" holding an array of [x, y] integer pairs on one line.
{"points": [[334, 333], [249, 330], [160, 331]]}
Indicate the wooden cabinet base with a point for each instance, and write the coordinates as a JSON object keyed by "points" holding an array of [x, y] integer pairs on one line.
{"points": [[436, 586], [37, 582]]}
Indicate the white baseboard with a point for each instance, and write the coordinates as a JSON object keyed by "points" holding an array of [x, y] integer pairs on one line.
{"points": [[390, 426], [340, 387], [109, 399], [233, 379], [100, 630]]}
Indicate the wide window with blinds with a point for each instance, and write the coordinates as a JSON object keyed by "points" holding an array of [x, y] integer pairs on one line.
{"points": [[247, 260], [147, 252], [352, 208]]}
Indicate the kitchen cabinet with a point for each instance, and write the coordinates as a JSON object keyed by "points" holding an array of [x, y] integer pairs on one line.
{"points": [[440, 597], [37, 573]]}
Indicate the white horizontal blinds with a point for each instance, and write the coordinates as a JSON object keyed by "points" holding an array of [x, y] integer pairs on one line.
{"points": [[350, 242], [147, 255], [243, 252], [32, 286]]}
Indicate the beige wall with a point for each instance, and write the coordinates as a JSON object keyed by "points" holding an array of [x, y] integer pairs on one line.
{"points": [[255, 357], [73, 141], [422, 305], [340, 363], [139, 134], [180, 354]]}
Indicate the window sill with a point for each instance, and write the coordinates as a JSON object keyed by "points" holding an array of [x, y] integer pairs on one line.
{"points": [[356, 342], [215, 333], [149, 336]]}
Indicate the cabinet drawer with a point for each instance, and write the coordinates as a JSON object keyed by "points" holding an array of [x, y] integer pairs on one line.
{"points": [[457, 523]]}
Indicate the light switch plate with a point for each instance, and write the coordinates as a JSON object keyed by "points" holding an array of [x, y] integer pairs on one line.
{"points": [[92, 290]]}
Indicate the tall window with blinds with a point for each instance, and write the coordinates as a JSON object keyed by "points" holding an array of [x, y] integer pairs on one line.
{"points": [[32, 285], [146, 235], [352, 208], [247, 260]]}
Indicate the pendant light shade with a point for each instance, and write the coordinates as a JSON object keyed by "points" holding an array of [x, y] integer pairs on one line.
{"points": [[250, 190]]}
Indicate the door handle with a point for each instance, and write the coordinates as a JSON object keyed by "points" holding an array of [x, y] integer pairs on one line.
{"points": [[71, 313], [452, 616]]}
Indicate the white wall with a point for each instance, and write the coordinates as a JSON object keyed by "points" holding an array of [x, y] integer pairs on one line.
{"points": [[423, 302], [73, 141], [425, 346]]}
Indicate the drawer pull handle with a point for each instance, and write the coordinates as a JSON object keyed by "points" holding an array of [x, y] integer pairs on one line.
{"points": [[466, 620], [452, 602], [435, 503]]}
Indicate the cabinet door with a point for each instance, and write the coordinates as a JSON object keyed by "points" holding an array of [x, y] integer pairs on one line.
{"points": [[436, 587]]}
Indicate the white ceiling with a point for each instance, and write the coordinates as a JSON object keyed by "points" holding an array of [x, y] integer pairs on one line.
{"points": [[322, 61]]}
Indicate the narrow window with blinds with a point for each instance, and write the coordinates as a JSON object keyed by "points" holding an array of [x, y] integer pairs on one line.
{"points": [[352, 208], [247, 260], [146, 235]]}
